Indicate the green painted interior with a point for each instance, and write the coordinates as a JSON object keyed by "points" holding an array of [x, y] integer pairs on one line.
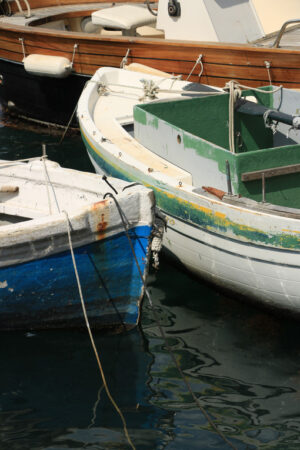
{"points": [[207, 117], [283, 190], [204, 123]]}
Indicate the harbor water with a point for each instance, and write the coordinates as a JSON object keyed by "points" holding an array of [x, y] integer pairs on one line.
{"points": [[242, 363]]}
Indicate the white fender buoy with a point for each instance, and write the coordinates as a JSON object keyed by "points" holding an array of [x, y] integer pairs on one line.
{"points": [[48, 65]]}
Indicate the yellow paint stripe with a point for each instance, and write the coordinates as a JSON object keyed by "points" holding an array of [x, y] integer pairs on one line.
{"points": [[290, 231], [220, 215], [178, 199]]}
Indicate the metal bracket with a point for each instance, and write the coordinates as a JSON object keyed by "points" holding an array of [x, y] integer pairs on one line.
{"points": [[23, 46], [74, 51], [125, 59]]}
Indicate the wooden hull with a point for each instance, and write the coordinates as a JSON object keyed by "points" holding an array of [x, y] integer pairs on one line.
{"points": [[221, 62], [43, 293]]}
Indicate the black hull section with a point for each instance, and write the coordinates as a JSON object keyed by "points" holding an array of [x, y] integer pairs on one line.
{"points": [[45, 99]]}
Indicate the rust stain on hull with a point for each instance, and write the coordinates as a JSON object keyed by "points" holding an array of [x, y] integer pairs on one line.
{"points": [[100, 213]]}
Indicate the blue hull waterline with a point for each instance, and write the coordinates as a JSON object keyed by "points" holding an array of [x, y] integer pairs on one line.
{"points": [[43, 293]]}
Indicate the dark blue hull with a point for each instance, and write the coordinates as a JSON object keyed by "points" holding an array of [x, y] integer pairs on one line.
{"points": [[45, 99], [44, 294]]}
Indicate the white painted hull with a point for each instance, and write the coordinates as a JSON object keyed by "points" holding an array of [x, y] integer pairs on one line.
{"points": [[232, 265], [265, 275], [240, 245]]}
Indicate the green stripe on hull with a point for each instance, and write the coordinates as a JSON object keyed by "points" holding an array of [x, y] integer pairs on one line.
{"points": [[171, 201]]}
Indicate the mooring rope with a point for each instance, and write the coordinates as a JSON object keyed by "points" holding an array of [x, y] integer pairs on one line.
{"points": [[186, 381], [80, 292], [268, 67], [47, 181], [198, 61], [92, 338], [83, 303], [104, 87], [125, 59], [261, 91], [69, 122], [235, 92], [72, 115]]}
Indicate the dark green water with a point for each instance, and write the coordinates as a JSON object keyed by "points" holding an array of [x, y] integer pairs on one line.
{"points": [[242, 364]]}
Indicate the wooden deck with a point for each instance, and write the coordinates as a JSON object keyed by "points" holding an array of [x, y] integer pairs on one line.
{"points": [[290, 39], [253, 64]]}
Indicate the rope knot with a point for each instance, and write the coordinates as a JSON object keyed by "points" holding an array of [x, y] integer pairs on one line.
{"points": [[150, 89], [102, 89], [234, 89]]}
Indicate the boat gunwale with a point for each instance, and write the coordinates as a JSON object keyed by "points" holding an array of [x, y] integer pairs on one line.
{"points": [[72, 35], [254, 207]]}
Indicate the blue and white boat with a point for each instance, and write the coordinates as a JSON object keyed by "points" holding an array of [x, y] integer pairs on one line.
{"points": [[42, 204]]}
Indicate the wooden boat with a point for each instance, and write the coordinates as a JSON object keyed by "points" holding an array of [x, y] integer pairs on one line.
{"points": [[40, 202], [225, 174], [50, 50]]}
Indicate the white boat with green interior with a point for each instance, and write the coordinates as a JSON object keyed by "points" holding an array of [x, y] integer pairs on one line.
{"points": [[225, 168]]}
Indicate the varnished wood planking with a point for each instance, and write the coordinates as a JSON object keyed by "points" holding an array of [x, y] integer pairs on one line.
{"points": [[141, 47], [84, 64], [220, 61], [154, 48], [48, 3]]}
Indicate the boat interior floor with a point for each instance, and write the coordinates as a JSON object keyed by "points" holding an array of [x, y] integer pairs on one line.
{"points": [[8, 219], [40, 13]]}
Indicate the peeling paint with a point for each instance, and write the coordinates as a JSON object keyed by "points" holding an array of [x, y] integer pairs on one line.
{"points": [[205, 217], [101, 227]]}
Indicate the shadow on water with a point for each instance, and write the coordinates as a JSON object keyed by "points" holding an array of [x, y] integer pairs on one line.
{"points": [[242, 363], [18, 142]]}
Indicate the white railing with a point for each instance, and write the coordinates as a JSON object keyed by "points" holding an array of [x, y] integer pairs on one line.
{"points": [[21, 10]]}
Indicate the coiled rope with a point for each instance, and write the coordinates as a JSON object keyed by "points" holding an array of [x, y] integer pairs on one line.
{"points": [[235, 92]]}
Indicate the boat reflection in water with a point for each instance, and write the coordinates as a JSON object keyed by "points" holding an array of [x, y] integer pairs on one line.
{"points": [[52, 395], [242, 364]]}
